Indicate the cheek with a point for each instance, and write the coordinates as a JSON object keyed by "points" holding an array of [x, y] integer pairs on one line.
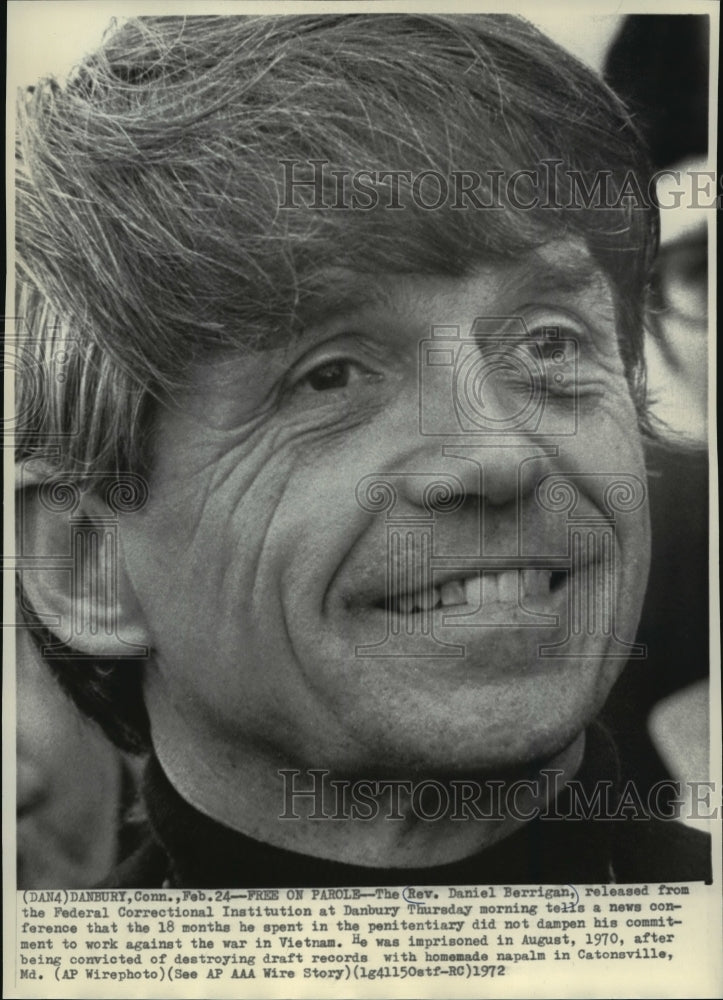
{"points": [[205, 522], [621, 464], [222, 559], [608, 447]]}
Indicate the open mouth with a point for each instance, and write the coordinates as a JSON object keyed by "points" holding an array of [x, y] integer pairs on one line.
{"points": [[487, 587]]}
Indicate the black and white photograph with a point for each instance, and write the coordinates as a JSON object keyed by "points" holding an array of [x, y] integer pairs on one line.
{"points": [[361, 618]]}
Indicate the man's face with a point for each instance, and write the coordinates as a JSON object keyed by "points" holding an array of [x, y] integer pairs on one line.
{"points": [[262, 566]]}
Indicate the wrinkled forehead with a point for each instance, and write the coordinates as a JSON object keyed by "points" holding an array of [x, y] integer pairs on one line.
{"points": [[561, 267]]}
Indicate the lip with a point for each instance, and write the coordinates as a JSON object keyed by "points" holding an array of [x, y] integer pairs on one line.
{"points": [[499, 638], [526, 622]]}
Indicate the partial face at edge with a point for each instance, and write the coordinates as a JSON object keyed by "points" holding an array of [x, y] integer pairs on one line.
{"points": [[260, 573]]}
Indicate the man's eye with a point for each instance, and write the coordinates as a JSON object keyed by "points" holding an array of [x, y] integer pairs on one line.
{"points": [[331, 375]]}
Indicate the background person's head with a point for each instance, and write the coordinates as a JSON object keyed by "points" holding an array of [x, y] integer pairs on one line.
{"points": [[155, 254], [69, 784]]}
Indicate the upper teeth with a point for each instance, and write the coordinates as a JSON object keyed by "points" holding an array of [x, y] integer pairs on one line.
{"points": [[507, 586]]}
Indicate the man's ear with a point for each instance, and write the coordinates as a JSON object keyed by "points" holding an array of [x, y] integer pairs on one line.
{"points": [[71, 563]]}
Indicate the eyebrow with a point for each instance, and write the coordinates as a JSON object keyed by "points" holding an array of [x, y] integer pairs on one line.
{"points": [[337, 292], [567, 276]]}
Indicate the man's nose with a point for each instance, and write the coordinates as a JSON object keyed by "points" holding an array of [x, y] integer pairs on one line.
{"points": [[479, 464]]}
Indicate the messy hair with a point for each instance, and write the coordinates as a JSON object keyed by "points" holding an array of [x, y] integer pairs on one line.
{"points": [[151, 232], [148, 223]]}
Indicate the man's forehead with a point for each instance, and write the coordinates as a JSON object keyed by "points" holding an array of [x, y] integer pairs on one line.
{"points": [[561, 267]]}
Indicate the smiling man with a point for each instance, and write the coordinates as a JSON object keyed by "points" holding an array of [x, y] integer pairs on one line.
{"points": [[334, 502]]}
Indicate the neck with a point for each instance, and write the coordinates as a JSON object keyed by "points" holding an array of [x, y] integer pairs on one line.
{"points": [[400, 822]]}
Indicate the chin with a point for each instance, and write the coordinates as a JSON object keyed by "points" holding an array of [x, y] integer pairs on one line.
{"points": [[499, 727]]}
